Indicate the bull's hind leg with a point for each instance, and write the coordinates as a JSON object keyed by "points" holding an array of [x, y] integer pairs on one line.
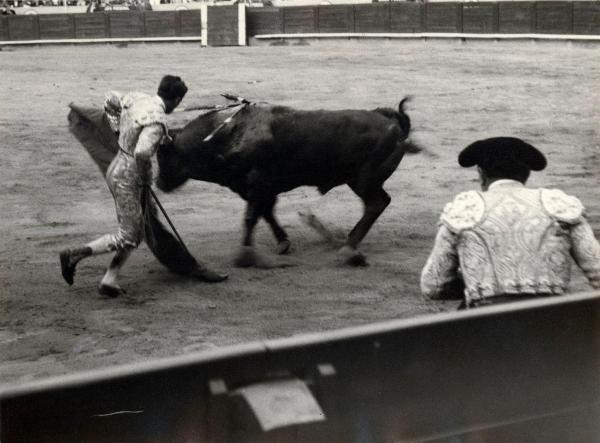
{"points": [[375, 201], [246, 257]]}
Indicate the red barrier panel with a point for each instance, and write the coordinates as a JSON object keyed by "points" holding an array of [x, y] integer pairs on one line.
{"points": [[190, 23], [516, 17], [4, 28], [298, 20], [126, 24], [372, 17], [480, 18], [162, 24], [223, 25], [406, 17], [264, 21], [443, 17], [335, 18], [94, 25], [586, 18], [23, 27], [554, 17], [57, 26], [519, 17]]}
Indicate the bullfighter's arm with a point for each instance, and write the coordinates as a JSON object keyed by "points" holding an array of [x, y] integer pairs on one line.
{"points": [[146, 147], [112, 108], [585, 249], [440, 278]]}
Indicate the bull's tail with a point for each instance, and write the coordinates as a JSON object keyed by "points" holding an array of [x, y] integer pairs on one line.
{"points": [[402, 117], [411, 147]]}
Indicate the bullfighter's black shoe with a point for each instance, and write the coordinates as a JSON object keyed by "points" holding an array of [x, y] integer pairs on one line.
{"points": [[202, 272], [69, 259]]}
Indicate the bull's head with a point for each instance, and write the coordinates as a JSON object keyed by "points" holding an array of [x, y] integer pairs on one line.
{"points": [[172, 169]]}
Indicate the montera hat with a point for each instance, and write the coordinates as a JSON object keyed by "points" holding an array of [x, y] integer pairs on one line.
{"points": [[491, 151]]}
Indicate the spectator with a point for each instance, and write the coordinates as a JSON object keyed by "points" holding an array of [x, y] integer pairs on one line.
{"points": [[6, 9]]}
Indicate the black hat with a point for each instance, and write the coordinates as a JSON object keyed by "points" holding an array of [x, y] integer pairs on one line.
{"points": [[490, 151], [172, 87]]}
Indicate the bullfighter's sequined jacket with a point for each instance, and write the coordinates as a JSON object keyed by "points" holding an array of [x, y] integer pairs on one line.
{"points": [[511, 240], [140, 120]]}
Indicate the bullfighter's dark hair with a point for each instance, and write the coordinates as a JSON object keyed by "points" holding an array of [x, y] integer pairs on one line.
{"points": [[172, 87], [513, 170]]}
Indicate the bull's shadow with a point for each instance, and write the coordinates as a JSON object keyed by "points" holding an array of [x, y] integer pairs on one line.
{"points": [[260, 151]]}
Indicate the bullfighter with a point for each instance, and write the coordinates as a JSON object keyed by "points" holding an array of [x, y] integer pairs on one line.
{"points": [[140, 120], [508, 242]]}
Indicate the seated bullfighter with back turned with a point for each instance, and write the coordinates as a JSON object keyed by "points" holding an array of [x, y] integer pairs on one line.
{"points": [[140, 120], [508, 242]]}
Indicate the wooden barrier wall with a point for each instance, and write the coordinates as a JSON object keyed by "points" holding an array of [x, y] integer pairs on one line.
{"points": [[543, 17], [515, 17], [121, 24]]}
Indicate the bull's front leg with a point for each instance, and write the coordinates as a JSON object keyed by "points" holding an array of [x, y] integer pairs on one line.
{"points": [[248, 256], [283, 243]]}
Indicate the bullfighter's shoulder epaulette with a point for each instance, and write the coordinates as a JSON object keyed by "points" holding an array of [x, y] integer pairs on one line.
{"points": [[464, 212], [563, 207], [145, 109]]}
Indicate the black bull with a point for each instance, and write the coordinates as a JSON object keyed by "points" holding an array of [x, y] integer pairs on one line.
{"points": [[266, 150]]}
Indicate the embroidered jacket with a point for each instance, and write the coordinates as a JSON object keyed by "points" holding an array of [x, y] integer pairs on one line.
{"points": [[509, 240], [140, 120]]}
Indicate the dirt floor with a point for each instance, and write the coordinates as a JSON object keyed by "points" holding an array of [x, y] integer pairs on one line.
{"points": [[52, 195]]}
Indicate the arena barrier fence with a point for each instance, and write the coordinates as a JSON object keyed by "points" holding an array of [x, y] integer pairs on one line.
{"points": [[527, 371], [231, 25], [579, 20], [215, 26]]}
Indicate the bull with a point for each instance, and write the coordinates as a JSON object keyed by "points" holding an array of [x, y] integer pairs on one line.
{"points": [[265, 150]]}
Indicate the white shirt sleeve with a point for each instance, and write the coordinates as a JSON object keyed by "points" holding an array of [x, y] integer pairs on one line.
{"points": [[441, 268], [585, 250]]}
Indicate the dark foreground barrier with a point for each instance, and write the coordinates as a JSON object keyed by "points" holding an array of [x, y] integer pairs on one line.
{"points": [[528, 371]]}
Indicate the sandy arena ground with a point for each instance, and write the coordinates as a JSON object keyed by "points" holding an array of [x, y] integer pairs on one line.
{"points": [[52, 195]]}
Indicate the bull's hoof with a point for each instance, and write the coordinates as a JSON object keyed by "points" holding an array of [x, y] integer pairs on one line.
{"points": [[283, 247], [111, 291], [206, 274], [247, 257], [352, 257]]}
